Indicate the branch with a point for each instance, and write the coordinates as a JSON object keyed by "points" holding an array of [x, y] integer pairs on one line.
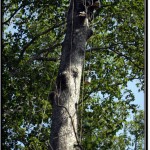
{"points": [[50, 49], [96, 49], [12, 15], [96, 89], [127, 58], [103, 6], [44, 59], [23, 5], [118, 53], [35, 38]]}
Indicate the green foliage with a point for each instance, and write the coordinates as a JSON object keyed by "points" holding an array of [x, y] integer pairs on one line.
{"points": [[33, 33], [136, 128], [129, 139]]}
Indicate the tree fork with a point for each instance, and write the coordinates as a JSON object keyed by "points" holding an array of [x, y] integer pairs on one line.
{"points": [[65, 98]]}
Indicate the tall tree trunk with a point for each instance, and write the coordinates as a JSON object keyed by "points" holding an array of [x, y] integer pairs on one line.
{"points": [[65, 98]]}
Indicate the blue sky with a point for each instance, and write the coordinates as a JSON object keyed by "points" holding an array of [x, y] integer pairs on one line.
{"points": [[139, 96]]}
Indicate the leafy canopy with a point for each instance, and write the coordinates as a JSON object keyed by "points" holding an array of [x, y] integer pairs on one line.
{"points": [[33, 33]]}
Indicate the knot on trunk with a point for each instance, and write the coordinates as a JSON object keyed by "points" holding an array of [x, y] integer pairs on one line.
{"points": [[89, 33], [62, 80]]}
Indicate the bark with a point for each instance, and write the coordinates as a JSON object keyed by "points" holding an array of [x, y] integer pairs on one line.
{"points": [[65, 98]]}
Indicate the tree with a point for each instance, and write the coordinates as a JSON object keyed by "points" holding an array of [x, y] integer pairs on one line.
{"points": [[132, 136], [66, 96], [31, 56], [136, 128]]}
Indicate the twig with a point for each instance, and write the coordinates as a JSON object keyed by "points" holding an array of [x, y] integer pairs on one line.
{"points": [[23, 5], [35, 38]]}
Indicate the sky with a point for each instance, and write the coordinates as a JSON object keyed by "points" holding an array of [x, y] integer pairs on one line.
{"points": [[139, 96]]}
